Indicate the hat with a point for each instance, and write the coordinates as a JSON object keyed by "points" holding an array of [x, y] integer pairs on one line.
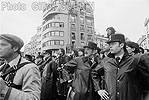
{"points": [[91, 45], [133, 45], [117, 38], [12, 39]]}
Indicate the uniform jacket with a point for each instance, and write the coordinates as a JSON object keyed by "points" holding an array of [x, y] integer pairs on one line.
{"points": [[29, 77], [127, 80], [82, 82]]}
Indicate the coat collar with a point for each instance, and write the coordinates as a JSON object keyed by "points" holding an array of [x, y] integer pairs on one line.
{"points": [[85, 60], [110, 55]]}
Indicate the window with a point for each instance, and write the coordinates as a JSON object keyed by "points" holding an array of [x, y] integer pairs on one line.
{"points": [[73, 27], [89, 37], [82, 28], [81, 20], [48, 43], [61, 33], [56, 33], [45, 27], [52, 42], [57, 42], [61, 25], [61, 42], [73, 36], [57, 24], [73, 19], [52, 33], [52, 24], [89, 30], [89, 22], [45, 35], [82, 36]]}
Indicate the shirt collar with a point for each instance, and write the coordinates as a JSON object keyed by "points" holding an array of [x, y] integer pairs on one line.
{"points": [[14, 61], [120, 56]]}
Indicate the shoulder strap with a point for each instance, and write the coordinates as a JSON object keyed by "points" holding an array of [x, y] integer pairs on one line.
{"points": [[22, 64], [12, 73]]}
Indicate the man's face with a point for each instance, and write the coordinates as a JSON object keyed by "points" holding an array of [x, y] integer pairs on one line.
{"points": [[115, 47], [80, 53], [46, 55], [129, 49], [88, 52], [59, 52], [5, 49], [109, 32]]}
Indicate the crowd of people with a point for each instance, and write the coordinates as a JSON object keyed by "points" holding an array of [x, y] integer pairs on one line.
{"points": [[118, 72]]}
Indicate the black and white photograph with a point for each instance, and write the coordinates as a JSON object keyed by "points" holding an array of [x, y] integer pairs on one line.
{"points": [[74, 49]]}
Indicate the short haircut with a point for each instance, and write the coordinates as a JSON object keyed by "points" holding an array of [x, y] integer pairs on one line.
{"points": [[62, 50]]}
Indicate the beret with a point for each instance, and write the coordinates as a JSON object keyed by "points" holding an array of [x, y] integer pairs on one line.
{"points": [[12, 39]]}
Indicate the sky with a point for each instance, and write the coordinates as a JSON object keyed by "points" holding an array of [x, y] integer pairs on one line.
{"points": [[126, 16]]}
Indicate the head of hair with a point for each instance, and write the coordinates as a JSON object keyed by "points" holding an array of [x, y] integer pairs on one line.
{"points": [[49, 52], [82, 50], [75, 53], [28, 57], [62, 50], [112, 31]]}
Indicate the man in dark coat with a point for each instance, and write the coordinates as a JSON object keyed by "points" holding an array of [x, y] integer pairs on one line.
{"points": [[49, 78], [122, 73], [82, 87], [62, 84]]}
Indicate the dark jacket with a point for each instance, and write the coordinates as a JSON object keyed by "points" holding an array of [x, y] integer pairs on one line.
{"points": [[82, 83], [127, 80], [62, 83], [49, 79]]}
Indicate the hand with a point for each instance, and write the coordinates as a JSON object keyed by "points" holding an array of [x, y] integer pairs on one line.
{"points": [[103, 94]]}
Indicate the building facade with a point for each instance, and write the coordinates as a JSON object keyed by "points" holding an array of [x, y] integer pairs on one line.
{"points": [[67, 24], [144, 40], [34, 46]]}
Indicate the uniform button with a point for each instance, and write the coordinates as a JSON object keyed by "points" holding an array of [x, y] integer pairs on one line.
{"points": [[118, 68], [118, 80]]}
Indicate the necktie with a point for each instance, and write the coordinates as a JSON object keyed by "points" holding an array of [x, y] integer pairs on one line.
{"points": [[89, 61], [118, 59]]}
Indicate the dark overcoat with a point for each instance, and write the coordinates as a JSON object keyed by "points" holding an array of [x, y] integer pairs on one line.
{"points": [[82, 84], [127, 80], [49, 79]]}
